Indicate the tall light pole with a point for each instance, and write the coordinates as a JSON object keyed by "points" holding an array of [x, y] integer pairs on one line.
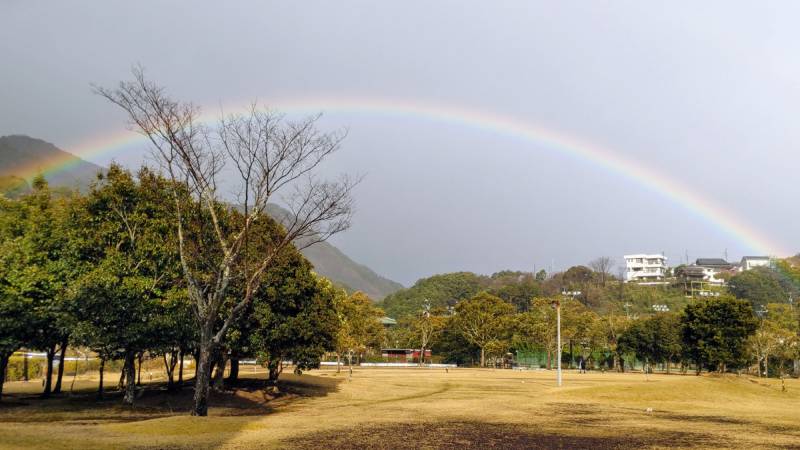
{"points": [[558, 342], [557, 304]]}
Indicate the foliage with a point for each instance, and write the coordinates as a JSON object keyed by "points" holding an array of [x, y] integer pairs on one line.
{"points": [[440, 290], [134, 270], [715, 332], [759, 286], [360, 325], [483, 320], [36, 268], [776, 339], [656, 339], [453, 347], [295, 315]]}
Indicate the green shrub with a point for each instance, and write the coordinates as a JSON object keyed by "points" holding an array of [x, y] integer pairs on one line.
{"points": [[16, 368]]}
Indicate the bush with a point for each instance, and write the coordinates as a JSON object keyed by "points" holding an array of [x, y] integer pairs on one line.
{"points": [[16, 368], [37, 367]]}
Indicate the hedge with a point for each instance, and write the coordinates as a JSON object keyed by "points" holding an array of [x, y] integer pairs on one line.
{"points": [[36, 367]]}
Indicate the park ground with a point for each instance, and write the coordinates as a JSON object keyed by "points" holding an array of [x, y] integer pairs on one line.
{"points": [[422, 408]]}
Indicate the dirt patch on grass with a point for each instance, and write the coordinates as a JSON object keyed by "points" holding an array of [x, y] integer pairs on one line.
{"points": [[718, 420], [460, 434]]}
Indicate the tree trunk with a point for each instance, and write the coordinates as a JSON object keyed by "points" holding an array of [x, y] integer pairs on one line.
{"points": [[180, 369], [483, 357], [422, 356], [121, 383], [4, 357], [275, 368], [233, 376], [338, 362], [169, 366], [60, 376], [130, 375], [102, 371], [219, 375], [350, 363], [197, 362], [139, 369], [571, 358], [170, 381], [48, 380], [202, 376]]}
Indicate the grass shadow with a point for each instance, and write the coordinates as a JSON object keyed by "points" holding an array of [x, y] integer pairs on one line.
{"points": [[246, 398]]}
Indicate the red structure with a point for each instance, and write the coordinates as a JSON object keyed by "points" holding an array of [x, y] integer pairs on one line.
{"points": [[403, 355]]}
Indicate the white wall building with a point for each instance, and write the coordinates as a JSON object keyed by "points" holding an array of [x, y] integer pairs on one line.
{"points": [[645, 268], [751, 262]]}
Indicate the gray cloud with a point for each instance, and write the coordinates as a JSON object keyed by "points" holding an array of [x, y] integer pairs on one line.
{"points": [[707, 94]]}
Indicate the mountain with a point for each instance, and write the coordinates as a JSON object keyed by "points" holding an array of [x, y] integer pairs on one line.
{"points": [[22, 157], [331, 263], [25, 157], [13, 186]]}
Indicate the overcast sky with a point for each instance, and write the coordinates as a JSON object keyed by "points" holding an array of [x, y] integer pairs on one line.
{"points": [[703, 92]]}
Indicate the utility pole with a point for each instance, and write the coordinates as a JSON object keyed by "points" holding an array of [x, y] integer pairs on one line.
{"points": [[557, 305], [558, 341]]}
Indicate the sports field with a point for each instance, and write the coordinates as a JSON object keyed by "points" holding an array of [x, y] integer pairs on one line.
{"points": [[427, 408]]}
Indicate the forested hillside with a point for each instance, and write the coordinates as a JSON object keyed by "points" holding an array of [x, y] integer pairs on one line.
{"points": [[21, 157], [598, 292]]}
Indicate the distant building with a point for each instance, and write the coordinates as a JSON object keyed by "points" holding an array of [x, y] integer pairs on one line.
{"points": [[388, 322], [643, 268], [403, 355], [712, 269], [751, 262]]}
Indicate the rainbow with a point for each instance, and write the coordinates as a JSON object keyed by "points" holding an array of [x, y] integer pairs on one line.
{"points": [[489, 122]]}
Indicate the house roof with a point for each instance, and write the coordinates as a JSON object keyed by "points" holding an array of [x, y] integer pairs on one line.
{"points": [[690, 271], [712, 262], [755, 257]]}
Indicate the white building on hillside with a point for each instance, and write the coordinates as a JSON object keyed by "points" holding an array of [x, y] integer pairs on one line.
{"points": [[645, 268], [751, 262]]}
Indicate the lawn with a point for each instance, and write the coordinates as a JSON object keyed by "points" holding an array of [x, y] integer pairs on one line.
{"points": [[424, 408]]}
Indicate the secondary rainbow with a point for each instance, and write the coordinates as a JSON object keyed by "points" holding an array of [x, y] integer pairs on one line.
{"points": [[489, 122]]}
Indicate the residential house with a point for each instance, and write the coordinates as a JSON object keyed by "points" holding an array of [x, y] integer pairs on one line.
{"points": [[643, 268], [751, 262]]}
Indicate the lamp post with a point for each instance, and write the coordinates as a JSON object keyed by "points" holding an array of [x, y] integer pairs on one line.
{"points": [[557, 305]]}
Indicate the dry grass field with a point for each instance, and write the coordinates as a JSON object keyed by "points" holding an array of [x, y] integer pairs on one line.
{"points": [[425, 408]]}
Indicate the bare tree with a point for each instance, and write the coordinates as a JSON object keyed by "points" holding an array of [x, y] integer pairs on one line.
{"points": [[602, 266], [265, 156]]}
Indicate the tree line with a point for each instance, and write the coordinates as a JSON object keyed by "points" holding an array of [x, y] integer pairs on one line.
{"points": [[184, 259], [751, 325], [100, 271]]}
